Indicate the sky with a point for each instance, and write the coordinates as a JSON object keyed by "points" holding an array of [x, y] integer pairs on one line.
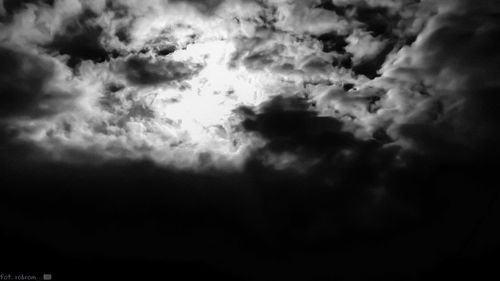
{"points": [[249, 139]]}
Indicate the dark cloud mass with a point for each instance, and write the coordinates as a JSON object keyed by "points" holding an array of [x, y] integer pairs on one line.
{"points": [[205, 6], [377, 20], [11, 7], [142, 71], [250, 139], [333, 42], [80, 40], [23, 78]]}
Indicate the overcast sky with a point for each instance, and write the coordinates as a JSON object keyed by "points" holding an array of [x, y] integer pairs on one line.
{"points": [[249, 139]]}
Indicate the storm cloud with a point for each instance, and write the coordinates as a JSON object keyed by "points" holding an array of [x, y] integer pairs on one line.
{"points": [[246, 139]]}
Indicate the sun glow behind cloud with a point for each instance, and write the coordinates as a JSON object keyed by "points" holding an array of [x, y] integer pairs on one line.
{"points": [[181, 70], [182, 123]]}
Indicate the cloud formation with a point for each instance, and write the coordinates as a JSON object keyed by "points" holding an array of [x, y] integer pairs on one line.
{"points": [[310, 122], [140, 80]]}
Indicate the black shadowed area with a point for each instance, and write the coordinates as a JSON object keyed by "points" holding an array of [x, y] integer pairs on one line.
{"points": [[22, 81], [143, 71], [333, 42], [14, 6], [80, 41]]}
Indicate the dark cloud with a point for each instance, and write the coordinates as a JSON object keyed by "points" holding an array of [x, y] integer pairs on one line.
{"points": [[12, 7], [144, 71], [119, 9], [288, 126], [460, 49], [80, 40], [345, 167], [333, 42], [123, 35], [377, 20], [167, 50], [344, 61], [204, 6], [329, 5], [381, 22], [23, 79]]}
